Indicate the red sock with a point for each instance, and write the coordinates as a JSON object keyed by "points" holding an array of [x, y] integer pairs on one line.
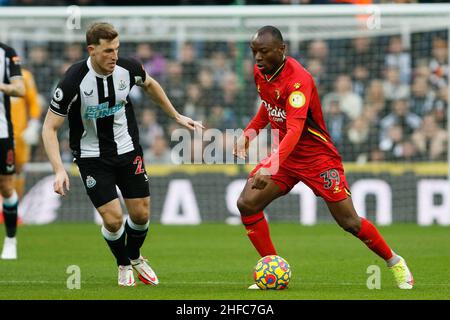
{"points": [[372, 238], [258, 233]]}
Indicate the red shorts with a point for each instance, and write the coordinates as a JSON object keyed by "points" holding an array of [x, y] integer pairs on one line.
{"points": [[325, 178]]}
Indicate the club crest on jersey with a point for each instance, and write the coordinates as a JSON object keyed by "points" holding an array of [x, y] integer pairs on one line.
{"points": [[297, 99], [122, 85], [90, 182], [58, 95], [277, 94]]}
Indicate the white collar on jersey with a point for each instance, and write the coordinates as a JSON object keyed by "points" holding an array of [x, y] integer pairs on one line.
{"points": [[89, 64]]}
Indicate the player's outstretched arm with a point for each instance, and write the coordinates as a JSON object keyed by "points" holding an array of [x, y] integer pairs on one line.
{"points": [[154, 89], [51, 144], [259, 121], [15, 89]]}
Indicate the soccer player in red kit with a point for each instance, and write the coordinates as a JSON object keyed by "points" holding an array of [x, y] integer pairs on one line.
{"points": [[290, 103]]}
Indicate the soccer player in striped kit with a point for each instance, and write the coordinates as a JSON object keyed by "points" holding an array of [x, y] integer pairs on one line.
{"points": [[104, 141], [11, 85]]}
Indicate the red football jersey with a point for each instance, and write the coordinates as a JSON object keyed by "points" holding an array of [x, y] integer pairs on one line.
{"points": [[291, 93]]}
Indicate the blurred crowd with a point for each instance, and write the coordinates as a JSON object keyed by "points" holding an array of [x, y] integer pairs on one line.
{"points": [[383, 100]]}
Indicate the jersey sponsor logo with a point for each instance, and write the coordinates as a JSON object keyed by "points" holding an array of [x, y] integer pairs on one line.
{"points": [[90, 182], [102, 110], [297, 99], [88, 94], [58, 95], [276, 113], [297, 85], [122, 85]]}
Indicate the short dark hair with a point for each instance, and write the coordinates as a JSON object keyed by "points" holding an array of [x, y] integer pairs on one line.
{"points": [[100, 30], [275, 32]]}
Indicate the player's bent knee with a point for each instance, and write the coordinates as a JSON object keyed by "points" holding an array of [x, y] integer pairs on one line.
{"points": [[6, 185], [246, 207], [112, 224], [141, 218]]}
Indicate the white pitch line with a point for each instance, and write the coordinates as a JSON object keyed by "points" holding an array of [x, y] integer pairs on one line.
{"points": [[328, 284]]}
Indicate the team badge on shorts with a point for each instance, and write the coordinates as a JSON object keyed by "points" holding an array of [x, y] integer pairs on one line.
{"points": [[90, 182]]}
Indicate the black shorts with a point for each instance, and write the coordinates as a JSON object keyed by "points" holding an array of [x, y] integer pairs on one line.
{"points": [[7, 157], [101, 176]]}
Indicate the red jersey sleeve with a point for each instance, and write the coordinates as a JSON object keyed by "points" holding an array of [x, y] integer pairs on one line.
{"points": [[259, 121], [298, 98], [294, 131]]}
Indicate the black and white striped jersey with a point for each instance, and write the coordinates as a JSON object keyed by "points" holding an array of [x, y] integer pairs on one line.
{"points": [[102, 122], [9, 68]]}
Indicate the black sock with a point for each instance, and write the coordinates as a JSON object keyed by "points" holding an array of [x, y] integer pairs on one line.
{"points": [[117, 245], [10, 219], [135, 238]]}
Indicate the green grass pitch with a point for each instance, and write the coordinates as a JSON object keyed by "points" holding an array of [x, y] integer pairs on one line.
{"points": [[215, 262]]}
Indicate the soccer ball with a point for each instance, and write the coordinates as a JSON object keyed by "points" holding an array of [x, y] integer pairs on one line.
{"points": [[272, 272]]}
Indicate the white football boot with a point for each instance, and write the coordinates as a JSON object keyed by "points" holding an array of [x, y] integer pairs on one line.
{"points": [[126, 277], [145, 272], [9, 249]]}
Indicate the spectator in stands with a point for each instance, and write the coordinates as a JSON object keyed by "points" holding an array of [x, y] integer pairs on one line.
{"points": [[316, 69], [400, 116], [375, 97], [361, 53], [377, 155], [358, 135], [73, 52], [398, 58], [431, 140], [232, 99], [159, 152], [409, 152], [349, 102], [337, 122], [220, 118], [422, 97], [392, 142], [149, 128], [393, 88], [360, 79], [439, 63], [174, 83], [154, 63], [193, 106], [220, 65], [188, 60], [211, 93], [39, 62], [440, 107], [252, 102]]}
